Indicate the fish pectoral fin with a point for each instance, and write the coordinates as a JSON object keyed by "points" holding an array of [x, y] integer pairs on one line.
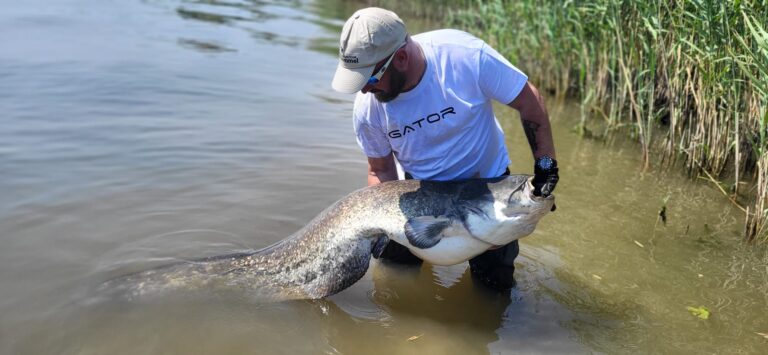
{"points": [[424, 232]]}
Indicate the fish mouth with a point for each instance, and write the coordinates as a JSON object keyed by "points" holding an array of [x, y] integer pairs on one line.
{"points": [[522, 201], [528, 188], [542, 198]]}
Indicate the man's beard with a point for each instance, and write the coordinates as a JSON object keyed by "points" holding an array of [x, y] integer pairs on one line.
{"points": [[396, 84]]}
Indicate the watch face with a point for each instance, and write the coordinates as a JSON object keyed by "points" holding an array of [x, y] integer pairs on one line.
{"points": [[545, 162]]}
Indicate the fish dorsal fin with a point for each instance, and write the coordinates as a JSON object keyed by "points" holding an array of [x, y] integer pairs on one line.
{"points": [[426, 231]]}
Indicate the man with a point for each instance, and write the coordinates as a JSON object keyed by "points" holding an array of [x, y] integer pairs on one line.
{"points": [[426, 101]]}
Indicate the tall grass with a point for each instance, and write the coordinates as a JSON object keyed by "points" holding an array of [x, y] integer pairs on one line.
{"points": [[687, 79], [754, 64]]}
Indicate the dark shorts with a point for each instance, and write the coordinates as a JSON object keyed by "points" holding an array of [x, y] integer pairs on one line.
{"points": [[494, 268]]}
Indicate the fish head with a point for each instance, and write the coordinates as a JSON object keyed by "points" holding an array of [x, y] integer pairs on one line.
{"points": [[515, 193], [507, 211]]}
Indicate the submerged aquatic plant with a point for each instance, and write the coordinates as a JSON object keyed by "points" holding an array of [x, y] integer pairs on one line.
{"points": [[701, 312]]}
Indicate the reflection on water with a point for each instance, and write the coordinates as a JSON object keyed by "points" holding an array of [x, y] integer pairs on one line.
{"points": [[204, 46], [138, 132], [416, 314]]}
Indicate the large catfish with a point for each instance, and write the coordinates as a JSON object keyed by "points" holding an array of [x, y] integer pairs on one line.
{"points": [[443, 223]]}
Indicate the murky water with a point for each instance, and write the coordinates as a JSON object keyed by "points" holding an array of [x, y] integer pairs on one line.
{"points": [[133, 133]]}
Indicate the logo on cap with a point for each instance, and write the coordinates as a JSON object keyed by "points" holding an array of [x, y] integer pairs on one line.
{"points": [[349, 58]]}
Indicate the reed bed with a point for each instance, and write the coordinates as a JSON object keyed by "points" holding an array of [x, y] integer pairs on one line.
{"points": [[687, 79]]}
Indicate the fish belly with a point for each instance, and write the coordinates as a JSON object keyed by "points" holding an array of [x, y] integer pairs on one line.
{"points": [[451, 250]]}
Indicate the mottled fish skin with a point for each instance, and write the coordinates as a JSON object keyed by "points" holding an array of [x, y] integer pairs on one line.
{"points": [[333, 251]]}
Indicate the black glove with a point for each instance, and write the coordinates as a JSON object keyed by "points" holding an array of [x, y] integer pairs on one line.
{"points": [[545, 176]]}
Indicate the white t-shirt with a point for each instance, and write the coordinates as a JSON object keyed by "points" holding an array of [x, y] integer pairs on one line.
{"points": [[444, 128]]}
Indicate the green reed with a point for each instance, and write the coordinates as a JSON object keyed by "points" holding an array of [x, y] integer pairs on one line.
{"points": [[754, 64], [687, 79]]}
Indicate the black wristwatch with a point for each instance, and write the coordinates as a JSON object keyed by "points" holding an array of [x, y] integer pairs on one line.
{"points": [[546, 163]]}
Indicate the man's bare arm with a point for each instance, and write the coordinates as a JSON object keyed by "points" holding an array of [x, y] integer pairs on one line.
{"points": [[535, 120], [381, 169]]}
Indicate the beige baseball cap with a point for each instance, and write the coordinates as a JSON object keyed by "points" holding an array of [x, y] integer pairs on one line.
{"points": [[368, 37]]}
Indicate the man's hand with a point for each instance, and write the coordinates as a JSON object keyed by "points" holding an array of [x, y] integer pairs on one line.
{"points": [[545, 176]]}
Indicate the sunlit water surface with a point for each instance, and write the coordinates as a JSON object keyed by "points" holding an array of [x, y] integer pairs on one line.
{"points": [[135, 133]]}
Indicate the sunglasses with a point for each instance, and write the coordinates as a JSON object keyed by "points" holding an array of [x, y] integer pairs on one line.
{"points": [[374, 79]]}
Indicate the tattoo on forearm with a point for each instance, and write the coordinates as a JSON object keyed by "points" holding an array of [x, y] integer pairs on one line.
{"points": [[530, 129]]}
